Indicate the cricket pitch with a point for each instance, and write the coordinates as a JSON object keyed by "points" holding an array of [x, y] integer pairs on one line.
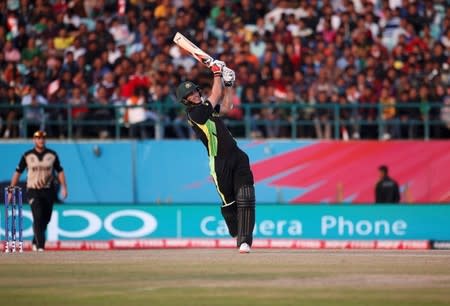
{"points": [[224, 277]]}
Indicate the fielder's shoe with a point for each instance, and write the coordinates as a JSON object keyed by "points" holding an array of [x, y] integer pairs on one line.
{"points": [[40, 250], [34, 247], [244, 248]]}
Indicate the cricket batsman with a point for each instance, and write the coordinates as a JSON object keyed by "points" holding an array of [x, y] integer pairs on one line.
{"points": [[229, 165]]}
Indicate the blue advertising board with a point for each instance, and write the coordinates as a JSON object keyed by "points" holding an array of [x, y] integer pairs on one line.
{"points": [[285, 170], [151, 171], [84, 222]]}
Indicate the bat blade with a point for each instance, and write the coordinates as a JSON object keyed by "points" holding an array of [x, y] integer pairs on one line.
{"points": [[194, 50]]}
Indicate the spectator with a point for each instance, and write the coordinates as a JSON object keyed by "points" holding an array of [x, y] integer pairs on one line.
{"points": [[63, 40], [120, 32], [34, 111], [438, 98], [78, 103], [322, 116], [9, 117], [268, 115], [386, 189], [11, 53], [164, 9], [31, 50], [353, 95], [403, 42], [368, 101], [136, 114], [219, 11], [76, 48], [57, 111], [103, 113], [390, 127], [445, 114]]}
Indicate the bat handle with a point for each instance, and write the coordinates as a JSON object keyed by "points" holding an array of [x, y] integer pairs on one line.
{"points": [[207, 61]]}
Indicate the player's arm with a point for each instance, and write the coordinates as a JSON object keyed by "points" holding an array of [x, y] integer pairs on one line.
{"points": [[14, 182], [227, 102], [217, 88], [61, 177], [15, 178], [18, 172], [228, 79], [16, 175], [62, 182]]}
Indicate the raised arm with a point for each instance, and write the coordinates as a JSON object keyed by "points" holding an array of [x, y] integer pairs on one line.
{"points": [[227, 102], [228, 80], [216, 91], [217, 88]]}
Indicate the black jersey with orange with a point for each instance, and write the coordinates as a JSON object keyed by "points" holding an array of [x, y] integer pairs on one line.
{"points": [[41, 166], [210, 128]]}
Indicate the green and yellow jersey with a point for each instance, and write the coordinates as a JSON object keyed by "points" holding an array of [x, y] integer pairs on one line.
{"points": [[211, 130]]}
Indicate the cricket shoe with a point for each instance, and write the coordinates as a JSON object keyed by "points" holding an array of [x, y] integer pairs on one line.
{"points": [[244, 248]]}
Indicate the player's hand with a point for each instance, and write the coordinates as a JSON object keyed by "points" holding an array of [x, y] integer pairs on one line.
{"points": [[228, 76], [217, 67], [10, 194], [64, 192]]}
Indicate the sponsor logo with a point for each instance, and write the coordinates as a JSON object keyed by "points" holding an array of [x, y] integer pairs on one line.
{"points": [[83, 224], [346, 227], [212, 226], [92, 224], [441, 245]]}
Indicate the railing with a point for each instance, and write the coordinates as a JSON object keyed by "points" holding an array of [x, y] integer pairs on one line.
{"points": [[294, 120]]}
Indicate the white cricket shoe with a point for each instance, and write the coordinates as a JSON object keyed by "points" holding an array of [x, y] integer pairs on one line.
{"points": [[244, 248], [34, 247]]}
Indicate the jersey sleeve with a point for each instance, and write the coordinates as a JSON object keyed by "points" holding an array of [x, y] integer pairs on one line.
{"points": [[200, 114], [57, 165], [22, 165]]}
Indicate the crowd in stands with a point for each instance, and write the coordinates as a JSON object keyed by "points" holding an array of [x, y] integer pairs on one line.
{"points": [[358, 54]]}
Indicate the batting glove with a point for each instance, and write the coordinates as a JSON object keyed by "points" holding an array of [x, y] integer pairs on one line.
{"points": [[217, 67], [228, 76]]}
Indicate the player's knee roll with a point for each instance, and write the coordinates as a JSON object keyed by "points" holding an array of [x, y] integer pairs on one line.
{"points": [[246, 196]]}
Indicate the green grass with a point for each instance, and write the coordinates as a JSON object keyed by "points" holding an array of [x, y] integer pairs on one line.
{"points": [[223, 277]]}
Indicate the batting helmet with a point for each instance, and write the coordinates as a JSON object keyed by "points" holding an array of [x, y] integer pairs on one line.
{"points": [[184, 90]]}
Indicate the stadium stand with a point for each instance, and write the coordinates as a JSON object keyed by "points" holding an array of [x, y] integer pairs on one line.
{"points": [[362, 69]]}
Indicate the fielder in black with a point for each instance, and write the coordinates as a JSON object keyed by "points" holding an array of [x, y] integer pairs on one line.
{"points": [[386, 189], [41, 163], [229, 165]]}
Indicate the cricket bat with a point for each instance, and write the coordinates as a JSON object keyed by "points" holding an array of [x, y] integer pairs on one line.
{"points": [[190, 47]]}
